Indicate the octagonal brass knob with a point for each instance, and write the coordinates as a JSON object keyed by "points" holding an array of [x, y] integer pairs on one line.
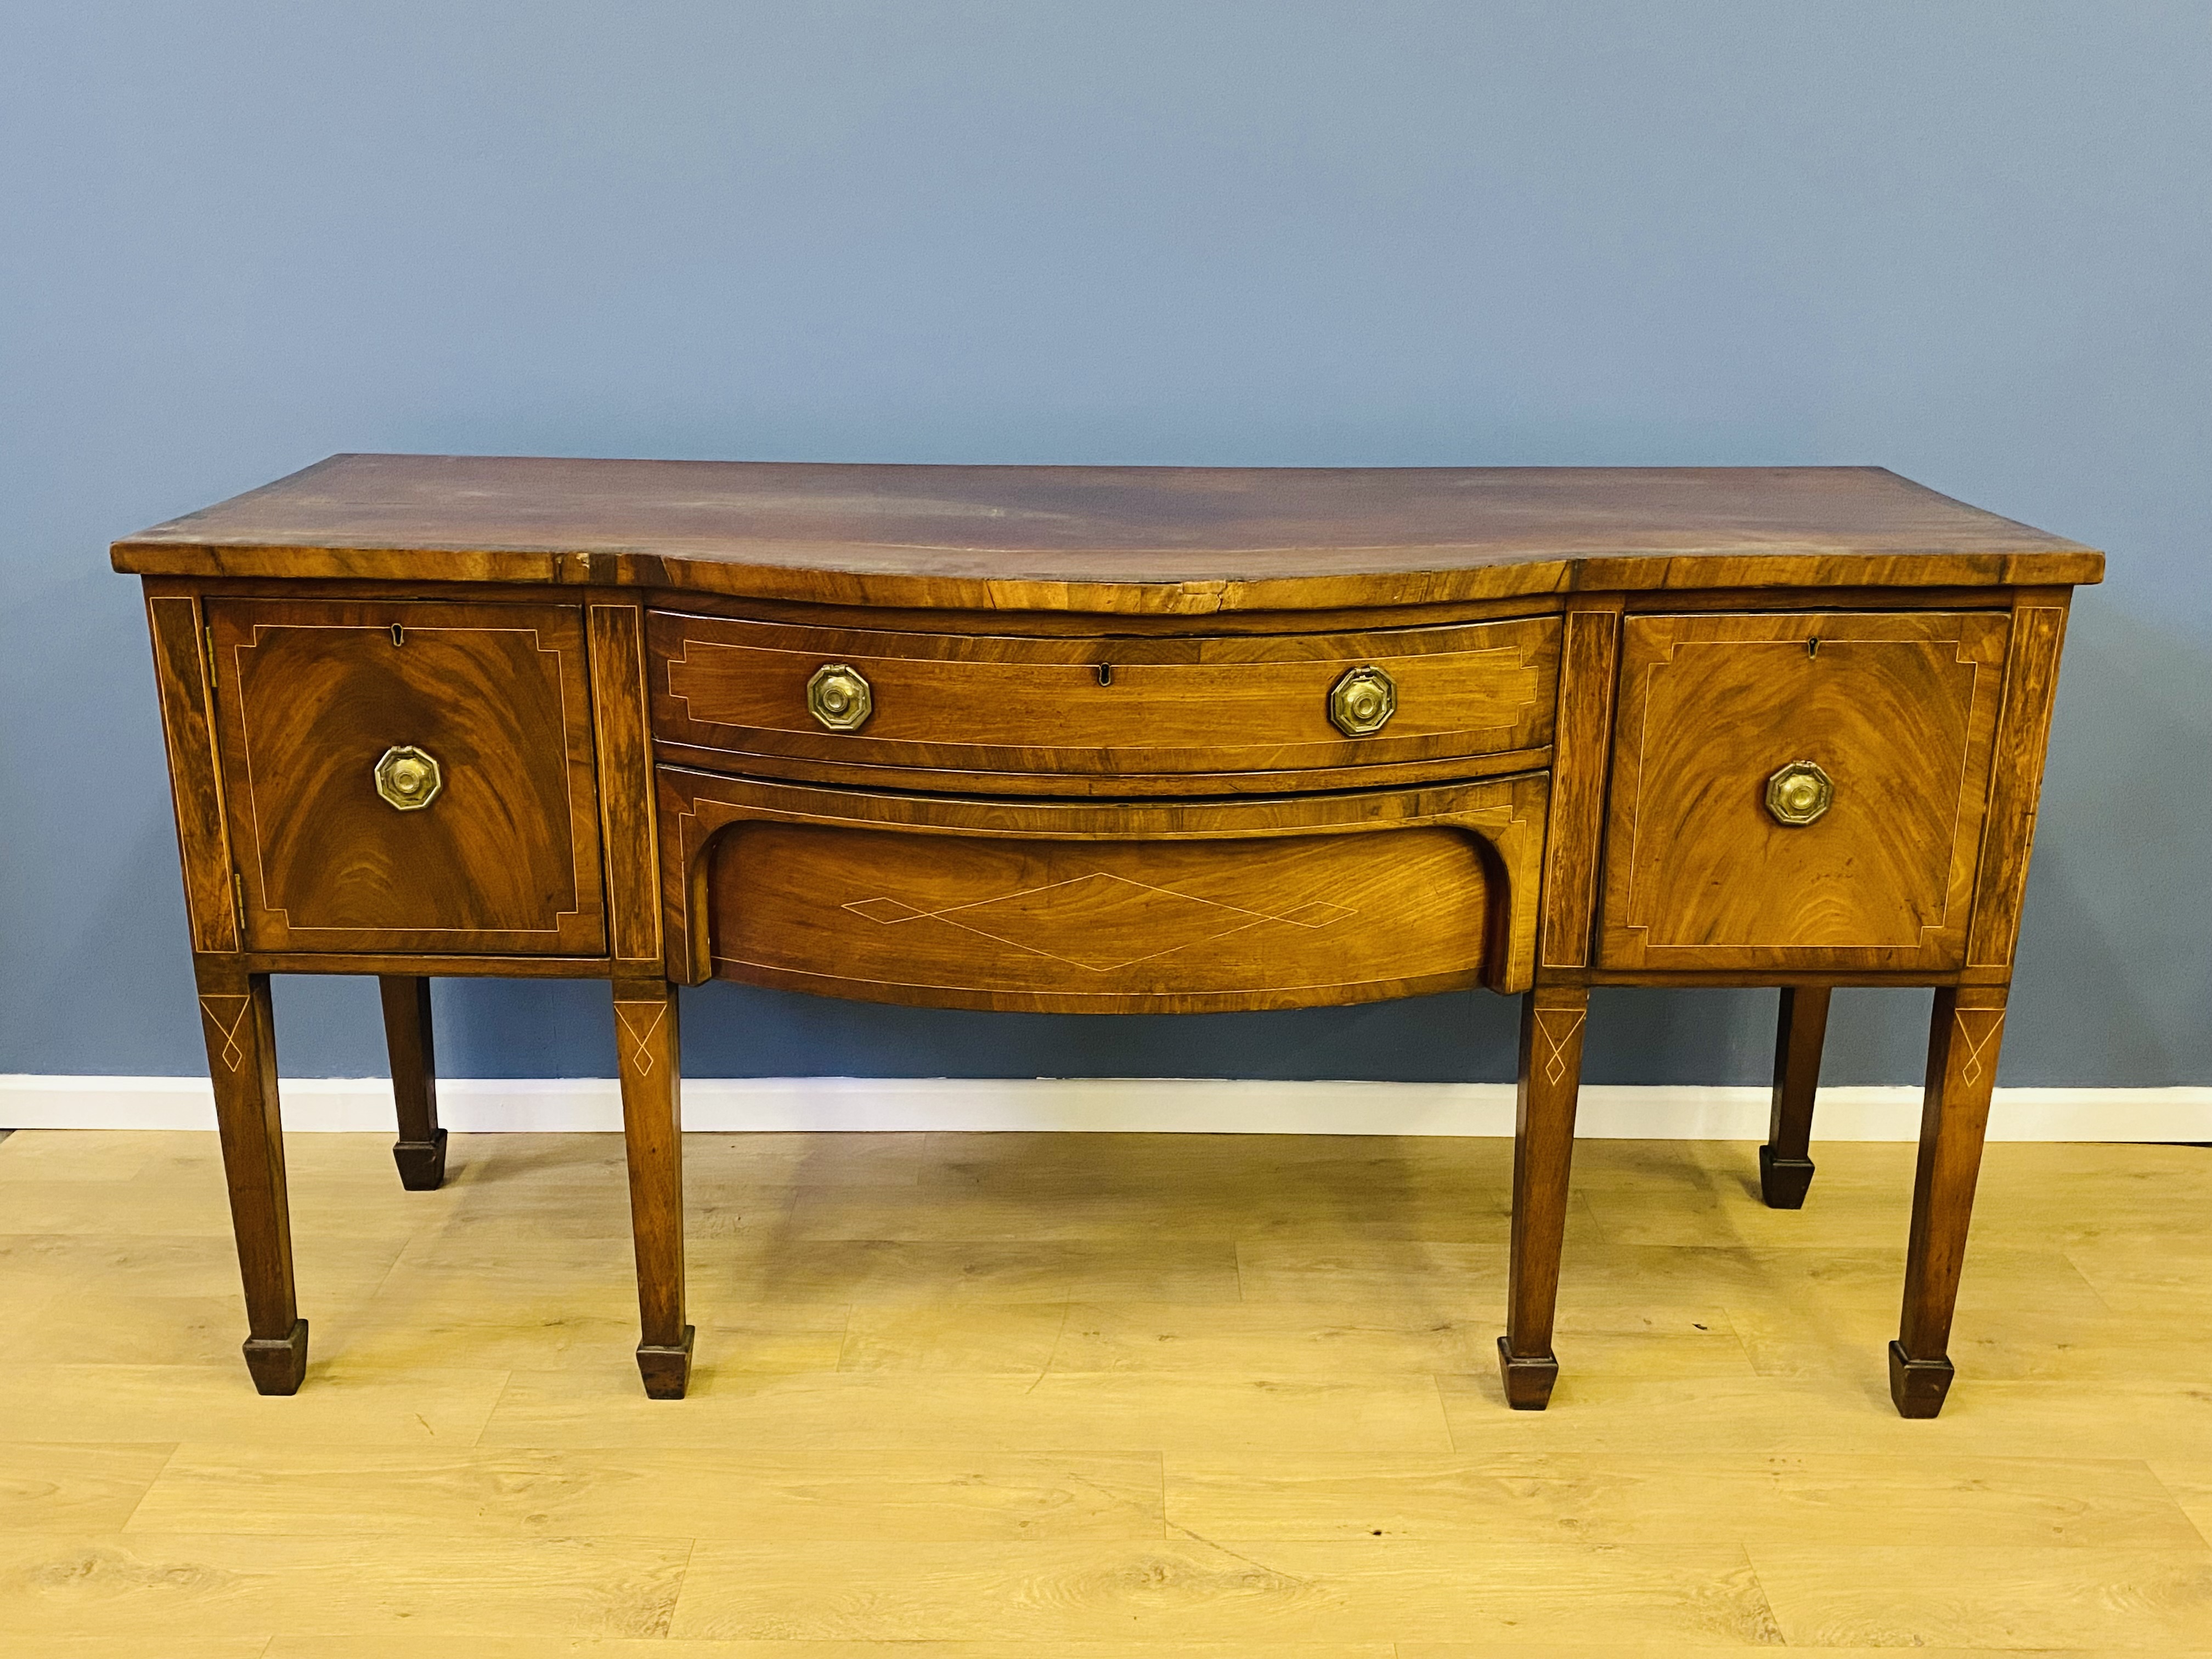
{"points": [[1362, 700], [408, 778], [1799, 792], [839, 697]]}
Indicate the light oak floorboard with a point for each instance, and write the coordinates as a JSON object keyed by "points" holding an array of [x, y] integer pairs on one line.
{"points": [[1190, 1587], [72, 1487], [157, 1265], [2145, 1600], [1145, 1267], [81, 1155], [1105, 1396], [106, 1326], [1080, 1412], [112, 1403], [48, 1646], [1610, 1650], [814, 1495], [1559, 1496], [2190, 1483], [1264, 1209], [500, 1648], [208, 1584], [193, 1204], [1769, 1416]]}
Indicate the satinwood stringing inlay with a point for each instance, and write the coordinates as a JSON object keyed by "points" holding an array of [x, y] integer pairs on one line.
{"points": [[1093, 920]]}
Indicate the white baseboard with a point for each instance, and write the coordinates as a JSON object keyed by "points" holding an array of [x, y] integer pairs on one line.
{"points": [[478, 1105]]}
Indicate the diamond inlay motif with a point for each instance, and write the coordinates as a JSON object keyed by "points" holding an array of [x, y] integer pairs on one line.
{"points": [[1971, 1071], [1100, 921], [639, 1021], [1553, 1057], [229, 1022]]}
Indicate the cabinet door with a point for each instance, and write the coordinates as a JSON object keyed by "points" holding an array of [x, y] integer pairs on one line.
{"points": [[410, 776], [1718, 712]]}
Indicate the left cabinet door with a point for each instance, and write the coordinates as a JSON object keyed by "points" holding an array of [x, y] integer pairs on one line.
{"points": [[409, 777]]}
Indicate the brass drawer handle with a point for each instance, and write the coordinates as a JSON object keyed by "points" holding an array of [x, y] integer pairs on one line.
{"points": [[408, 778], [1362, 701], [839, 697], [1799, 792]]}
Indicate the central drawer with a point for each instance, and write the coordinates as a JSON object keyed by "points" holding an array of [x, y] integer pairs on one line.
{"points": [[1093, 906], [1196, 712]]}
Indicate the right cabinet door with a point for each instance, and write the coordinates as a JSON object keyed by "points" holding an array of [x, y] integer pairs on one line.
{"points": [[1800, 792]]}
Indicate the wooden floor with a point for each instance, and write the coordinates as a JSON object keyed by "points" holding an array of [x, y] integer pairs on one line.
{"points": [[980, 1396]]}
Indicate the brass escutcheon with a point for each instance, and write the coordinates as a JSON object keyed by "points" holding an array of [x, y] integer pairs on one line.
{"points": [[408, 778], [1799, 793], [1362, 701], [839, 697]]}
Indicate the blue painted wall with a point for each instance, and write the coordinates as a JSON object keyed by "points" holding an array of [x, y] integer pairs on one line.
{"points": [[1968, 240]]}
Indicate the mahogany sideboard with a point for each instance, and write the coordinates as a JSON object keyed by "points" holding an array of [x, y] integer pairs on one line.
{"points": [[1106, 740]]}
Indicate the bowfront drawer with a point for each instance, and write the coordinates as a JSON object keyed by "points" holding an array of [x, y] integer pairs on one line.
{"points": [[1800, 792], [1093, 907], [1208, 710], [409, 776]]}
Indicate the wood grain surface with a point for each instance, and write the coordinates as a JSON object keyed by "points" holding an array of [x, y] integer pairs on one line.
{"points": [[1574, 846], [1157, 540], [1899, 710], [2031, 690], [1113, 927], [1195, 706], [183, 662], [1300, 1453], [1160, 907], [623, 773], [506, 858]]}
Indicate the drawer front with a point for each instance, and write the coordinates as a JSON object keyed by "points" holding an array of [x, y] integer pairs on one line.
{"points": [[410, 776], [1722, 720], [1105, 909], [1155, 707]]}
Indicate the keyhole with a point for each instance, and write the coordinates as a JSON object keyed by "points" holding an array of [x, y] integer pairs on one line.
{"points": [[398, 634], [1812, 646], [1105, 673]]}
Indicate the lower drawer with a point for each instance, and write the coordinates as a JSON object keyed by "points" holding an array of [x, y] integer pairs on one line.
{"points": [[1121, 907]]}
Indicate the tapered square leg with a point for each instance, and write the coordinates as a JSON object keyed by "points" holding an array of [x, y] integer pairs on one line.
{"points": [[420, 1152], [646, 1039], [1963, 1039], [1785, 1171], [1552, 1021], [241, 1043]]}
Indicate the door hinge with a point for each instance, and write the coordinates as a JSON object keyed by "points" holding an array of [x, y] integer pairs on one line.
{"points": [[207, 638], [238, 905]]}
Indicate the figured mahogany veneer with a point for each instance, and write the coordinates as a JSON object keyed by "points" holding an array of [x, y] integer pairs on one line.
{"points": [[1094, 909], [1899, 710], [438, 715], [312, 693]]}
